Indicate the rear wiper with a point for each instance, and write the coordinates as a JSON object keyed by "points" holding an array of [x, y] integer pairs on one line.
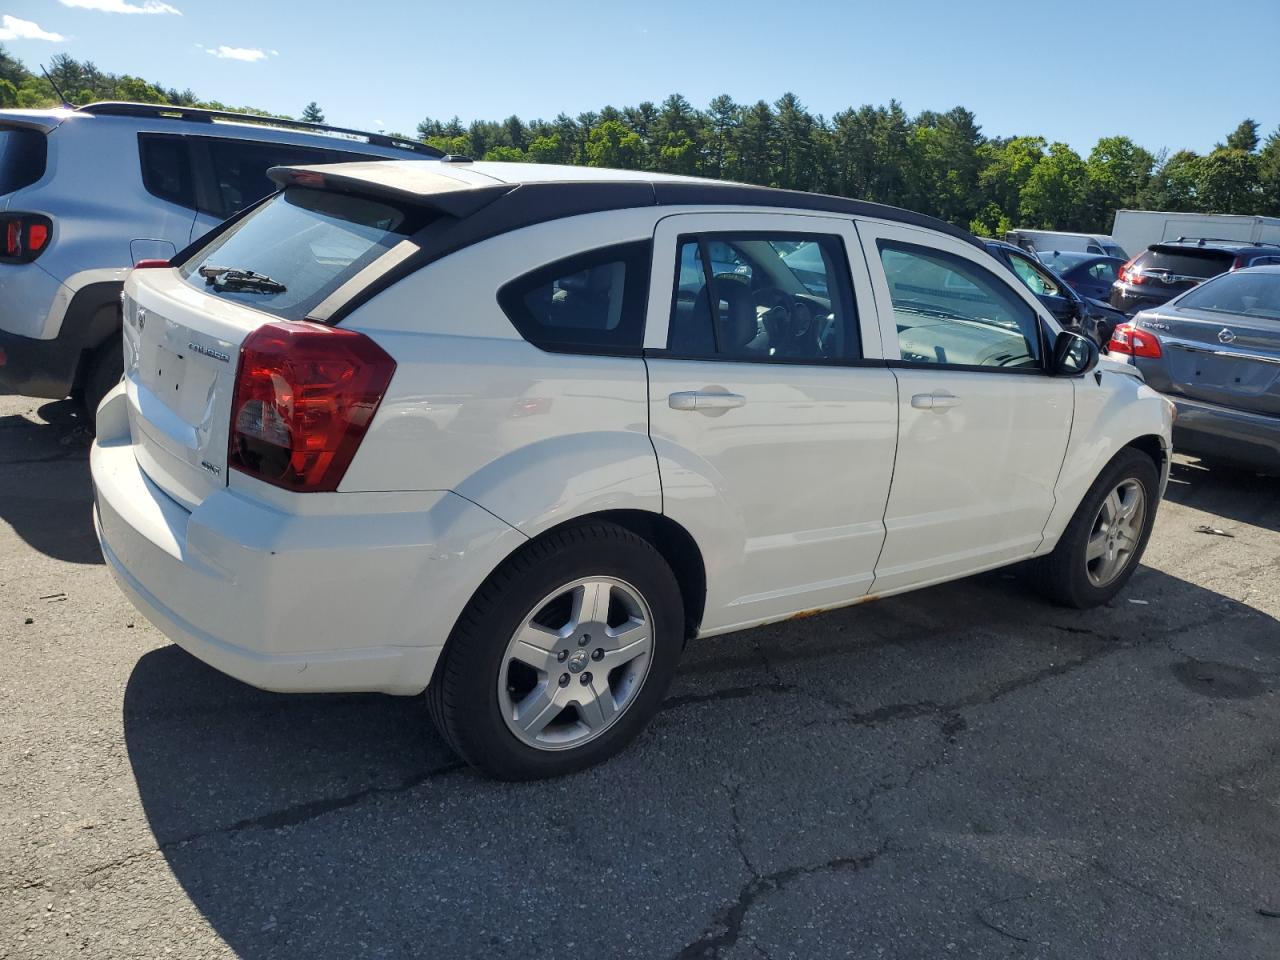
{"points": [[230, 278]]}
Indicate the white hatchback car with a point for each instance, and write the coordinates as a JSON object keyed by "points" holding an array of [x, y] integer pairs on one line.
{"points": [[512, 434]]}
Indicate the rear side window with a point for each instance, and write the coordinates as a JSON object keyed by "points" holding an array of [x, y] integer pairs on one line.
{"points": [[1199, 264], [23, 154], [588, 303], [166, 169], [308, 242], [240, 170]]}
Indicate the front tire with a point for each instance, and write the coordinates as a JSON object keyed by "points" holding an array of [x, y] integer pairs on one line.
{"points": [[562, 656], [1104, 541]]}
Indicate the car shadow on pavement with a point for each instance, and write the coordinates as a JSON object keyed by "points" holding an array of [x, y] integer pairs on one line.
{"points": [[946, 731], [46, 494], [1240, 495]]}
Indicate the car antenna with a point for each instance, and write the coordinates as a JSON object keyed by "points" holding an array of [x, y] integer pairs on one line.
{"points": [[61, 96]]}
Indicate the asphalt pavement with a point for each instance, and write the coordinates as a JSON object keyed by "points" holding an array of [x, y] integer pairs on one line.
{"points": [[960, 772]]}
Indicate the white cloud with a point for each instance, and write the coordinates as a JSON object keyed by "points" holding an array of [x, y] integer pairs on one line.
{"points": [[12, 28], [122, 6], [247, 54]]}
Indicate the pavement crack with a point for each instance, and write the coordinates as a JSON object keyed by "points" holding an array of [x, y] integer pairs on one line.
{"points": [[992, 925], [726, 929], [311, 809]]}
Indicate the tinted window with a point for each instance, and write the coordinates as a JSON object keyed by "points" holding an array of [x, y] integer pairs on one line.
{"points": [[1248, 294], [769, 297], [1037, 281], [951, 311], [22, 158], [1104, 271], [1189, 263], [240, 169], [166, 169], [589, 303], [309, 241]]}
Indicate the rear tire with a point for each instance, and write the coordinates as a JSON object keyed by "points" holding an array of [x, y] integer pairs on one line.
{"points": [[1102, 545], [515, 721], [105, 369]]}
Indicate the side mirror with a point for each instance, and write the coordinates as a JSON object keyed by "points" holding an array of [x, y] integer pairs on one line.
{"points": [[1073, 355]]}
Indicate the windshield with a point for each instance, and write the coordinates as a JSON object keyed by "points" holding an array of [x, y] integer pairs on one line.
{"points": [[1186, 263], [1246, 294], [303, 245]]}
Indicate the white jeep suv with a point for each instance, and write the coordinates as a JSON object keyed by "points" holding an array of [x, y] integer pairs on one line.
{"points": [[512, 434], [86, 193]]}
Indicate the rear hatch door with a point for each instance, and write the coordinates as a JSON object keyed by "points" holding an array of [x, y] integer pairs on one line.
{"points": [[184, 326], [1171, 269]]}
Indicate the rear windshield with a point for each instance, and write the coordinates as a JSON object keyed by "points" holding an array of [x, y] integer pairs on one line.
{"points": [[1187, 263], [310, 242], [22, 158], [1247, 294]]}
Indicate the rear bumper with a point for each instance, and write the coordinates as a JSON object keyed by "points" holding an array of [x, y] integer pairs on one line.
{"points": [[361, 601], [37, 368], [1250, 439]]}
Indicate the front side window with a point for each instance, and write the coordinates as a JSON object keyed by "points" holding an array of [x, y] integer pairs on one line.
{"points": [[302, 246], [1037, 281], [951, 311], [765, 297], [588, 303]]}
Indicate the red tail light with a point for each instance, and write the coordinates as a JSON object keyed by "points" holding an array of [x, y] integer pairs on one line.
{"points": [[1238, 262], [151, 264], [1128, 339], [1130, 274], [25, 236], [304, 397]]}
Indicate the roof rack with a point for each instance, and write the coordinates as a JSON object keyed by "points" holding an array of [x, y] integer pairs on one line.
{"points": [[1203, 240], [121, 108]]}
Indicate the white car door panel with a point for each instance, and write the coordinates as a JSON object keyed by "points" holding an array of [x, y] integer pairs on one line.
{"points": [[982, 429], [779, 469]]}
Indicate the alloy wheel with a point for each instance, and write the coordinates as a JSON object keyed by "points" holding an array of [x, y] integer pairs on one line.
{"points": [[1116, 531], [576, 663]]}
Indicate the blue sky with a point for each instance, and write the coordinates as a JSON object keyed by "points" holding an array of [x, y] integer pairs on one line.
{"points": [[1068, 71]]}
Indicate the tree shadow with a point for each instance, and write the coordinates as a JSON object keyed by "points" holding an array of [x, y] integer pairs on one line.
{"points": [[46, 493], [1235, 493], [335, 826]]}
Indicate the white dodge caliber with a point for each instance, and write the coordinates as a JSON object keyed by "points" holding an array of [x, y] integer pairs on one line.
{"points": [[512, 434]]}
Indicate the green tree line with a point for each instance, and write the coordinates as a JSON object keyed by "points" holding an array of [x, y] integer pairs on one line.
{"points": [[936, 163]]}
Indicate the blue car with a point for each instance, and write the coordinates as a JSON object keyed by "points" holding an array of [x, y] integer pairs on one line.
{"points": [[1088, 274]]}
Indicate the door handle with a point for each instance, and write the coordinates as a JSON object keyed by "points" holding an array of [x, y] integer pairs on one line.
{"points": [[941, 402], [704, 400]]}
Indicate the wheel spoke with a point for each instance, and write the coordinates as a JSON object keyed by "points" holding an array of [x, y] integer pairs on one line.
{"points": [[590, 604], [596, 705], [535, 646], [1097, 546], [537, 710], [627, 635], [1111, 508]]}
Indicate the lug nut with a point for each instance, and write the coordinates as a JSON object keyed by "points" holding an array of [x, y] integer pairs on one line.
{"points": [[597, 653], [562, 656], [586, 678], [584, 639], [564, 679]]}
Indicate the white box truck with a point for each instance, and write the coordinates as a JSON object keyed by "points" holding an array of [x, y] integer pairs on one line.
{"points": [[1135, 230], [1038, 241]]}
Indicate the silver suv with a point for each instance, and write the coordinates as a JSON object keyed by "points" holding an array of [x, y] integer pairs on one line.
{"points": [[86, 193]]}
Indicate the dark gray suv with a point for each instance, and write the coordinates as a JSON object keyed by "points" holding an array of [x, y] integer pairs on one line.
{"points": [[1164, 270]]}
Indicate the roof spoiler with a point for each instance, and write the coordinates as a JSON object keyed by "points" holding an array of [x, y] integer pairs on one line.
{"points": [[431, 191]]}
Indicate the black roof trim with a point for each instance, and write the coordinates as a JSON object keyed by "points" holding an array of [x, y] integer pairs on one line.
{"points": [[693, 192], [507, 207], [160, 111]]}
